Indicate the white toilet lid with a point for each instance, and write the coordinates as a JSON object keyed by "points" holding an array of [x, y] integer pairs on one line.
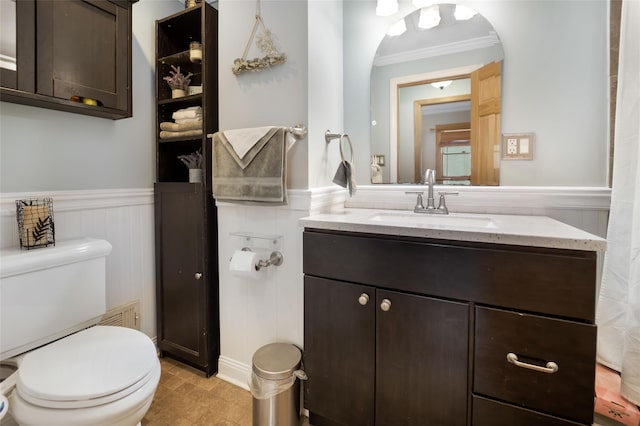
{"points": [[92, 367]]}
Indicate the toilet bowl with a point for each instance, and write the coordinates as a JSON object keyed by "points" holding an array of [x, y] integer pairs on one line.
{"points": [[101, 375]]}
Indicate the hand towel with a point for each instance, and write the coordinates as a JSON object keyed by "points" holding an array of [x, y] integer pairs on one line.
{"points": [[258, 177], [345, 177]]}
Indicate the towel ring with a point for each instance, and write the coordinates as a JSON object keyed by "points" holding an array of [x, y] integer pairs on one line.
{"points": [[346, 136]]}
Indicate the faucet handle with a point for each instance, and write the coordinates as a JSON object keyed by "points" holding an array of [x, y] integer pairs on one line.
{"points": [[419, 205], [442, 205]]}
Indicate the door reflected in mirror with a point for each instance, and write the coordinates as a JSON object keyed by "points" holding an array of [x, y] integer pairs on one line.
{"points": [[426, 80]]}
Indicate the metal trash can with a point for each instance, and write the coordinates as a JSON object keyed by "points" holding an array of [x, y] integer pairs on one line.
{"points": [[275, 386]]}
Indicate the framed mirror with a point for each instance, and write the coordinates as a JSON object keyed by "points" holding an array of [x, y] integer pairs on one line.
{"points": [[436, 98]]}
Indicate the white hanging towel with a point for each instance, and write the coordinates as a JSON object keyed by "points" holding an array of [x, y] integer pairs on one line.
{"points": [[242, 140]]}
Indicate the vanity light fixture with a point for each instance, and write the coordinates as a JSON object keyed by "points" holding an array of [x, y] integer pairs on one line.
{"points": [[463, 13], [386, 7], [429, 17], [441, 84], [397, 29]]}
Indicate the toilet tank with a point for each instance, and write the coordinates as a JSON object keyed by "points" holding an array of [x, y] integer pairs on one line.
{"points": [[48, 293]]}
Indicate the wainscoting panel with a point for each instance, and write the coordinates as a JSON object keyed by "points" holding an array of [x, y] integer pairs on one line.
{"points": [[257, 312], [124, 217]]}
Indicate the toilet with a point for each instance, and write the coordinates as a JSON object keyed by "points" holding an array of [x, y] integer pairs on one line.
{"points": [[63, 368]]}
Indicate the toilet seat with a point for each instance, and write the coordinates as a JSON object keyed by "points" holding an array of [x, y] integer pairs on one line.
{"points": [[93, 367]]}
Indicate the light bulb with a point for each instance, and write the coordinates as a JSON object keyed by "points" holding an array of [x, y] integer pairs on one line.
{"points": [[386, 7], [397, 29], [463, 13], [441, 84], [429, 17]]}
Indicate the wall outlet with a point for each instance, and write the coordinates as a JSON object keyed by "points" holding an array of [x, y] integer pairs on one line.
{"points": [[517, 146]]}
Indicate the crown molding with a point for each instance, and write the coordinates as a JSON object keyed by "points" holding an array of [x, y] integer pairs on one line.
{"points": [[442, 49]]}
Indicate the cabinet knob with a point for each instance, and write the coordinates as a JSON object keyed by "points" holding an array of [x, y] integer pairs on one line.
{"points": [[385, 305], [363, 299], [198, 275]]}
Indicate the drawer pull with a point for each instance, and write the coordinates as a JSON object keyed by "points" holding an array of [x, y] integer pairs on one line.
{"points": [[550, 368], [363, 299]]}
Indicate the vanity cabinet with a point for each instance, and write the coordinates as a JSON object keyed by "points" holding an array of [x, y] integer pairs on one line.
{"points": [[414, 331], [72, 49], [380, 375], [187, 287]]}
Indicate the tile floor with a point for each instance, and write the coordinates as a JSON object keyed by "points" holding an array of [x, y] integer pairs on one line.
{"points": [[186, 398]]}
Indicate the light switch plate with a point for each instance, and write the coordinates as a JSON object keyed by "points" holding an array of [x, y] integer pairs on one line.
{"points": [[517, 146]]}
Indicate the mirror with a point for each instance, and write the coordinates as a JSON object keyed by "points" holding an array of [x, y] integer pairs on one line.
{"points": [[8, 35], [435, 99]]}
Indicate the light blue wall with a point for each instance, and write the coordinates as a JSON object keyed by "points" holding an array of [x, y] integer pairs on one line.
{"points": [[45, 150], [554, 84], [306, 89], [276, 95]]}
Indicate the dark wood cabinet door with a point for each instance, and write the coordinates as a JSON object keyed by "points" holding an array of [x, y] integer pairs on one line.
{"points": [[83, 49], [421, 360], [339, 341], [181, 283]]}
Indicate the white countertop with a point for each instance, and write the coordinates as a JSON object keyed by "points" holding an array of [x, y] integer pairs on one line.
{"points": [[536, 231]]}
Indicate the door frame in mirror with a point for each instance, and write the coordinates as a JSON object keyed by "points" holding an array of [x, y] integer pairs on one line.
{"points": [[417, 129], [395, 84]]}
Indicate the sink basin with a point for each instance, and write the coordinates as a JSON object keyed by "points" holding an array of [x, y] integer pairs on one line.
{"points": [[450, 221]]}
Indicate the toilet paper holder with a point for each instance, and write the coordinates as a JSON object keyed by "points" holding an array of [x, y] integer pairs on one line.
{"points": [[274, 259], [261, 244]]}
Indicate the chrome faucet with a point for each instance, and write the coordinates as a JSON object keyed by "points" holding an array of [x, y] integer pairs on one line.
{"points": [[429, 179], [430, 208]]}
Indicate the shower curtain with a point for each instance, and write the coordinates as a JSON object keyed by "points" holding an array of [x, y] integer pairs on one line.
{"points": [[618, 314]]}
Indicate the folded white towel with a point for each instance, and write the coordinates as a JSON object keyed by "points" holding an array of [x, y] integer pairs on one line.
{"points": [[242, 140], [191, 112], [188, 120]]}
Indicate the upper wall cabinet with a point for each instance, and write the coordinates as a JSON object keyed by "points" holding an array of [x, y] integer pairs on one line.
{"points": [[71, 55]]}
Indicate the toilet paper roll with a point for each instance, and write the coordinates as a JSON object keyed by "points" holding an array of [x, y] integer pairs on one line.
{"points": [[243, 264]]}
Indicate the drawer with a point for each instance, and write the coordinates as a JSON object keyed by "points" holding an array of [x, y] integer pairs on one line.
{"points": [[548, 281], [494, 413], [536, 340]]}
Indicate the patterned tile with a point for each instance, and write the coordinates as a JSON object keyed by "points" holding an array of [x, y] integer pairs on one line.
{"points": [[186, 398]]}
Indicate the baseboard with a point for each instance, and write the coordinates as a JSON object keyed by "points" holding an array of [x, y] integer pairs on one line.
{"points": [[233, 372]]}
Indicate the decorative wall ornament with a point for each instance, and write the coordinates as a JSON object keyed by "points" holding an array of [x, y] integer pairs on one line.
{"points": [[265, 43], [35, 222]]}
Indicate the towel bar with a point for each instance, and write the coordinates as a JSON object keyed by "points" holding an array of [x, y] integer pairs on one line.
{"points": [[299, 131]]}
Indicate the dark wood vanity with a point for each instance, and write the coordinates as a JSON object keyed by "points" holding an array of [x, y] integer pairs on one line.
{"points": [[402, 330]]}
